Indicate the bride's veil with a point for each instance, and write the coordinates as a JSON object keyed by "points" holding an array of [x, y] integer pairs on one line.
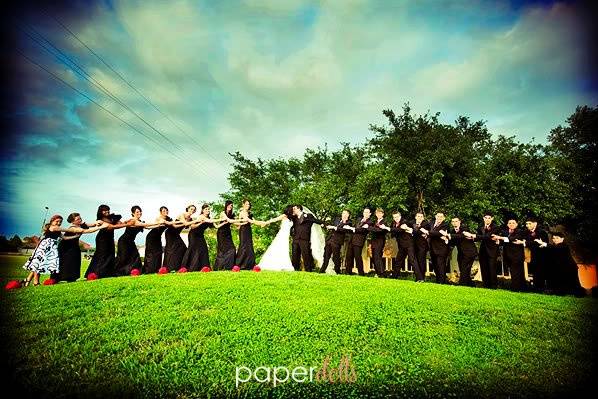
{"points": [[318, 241]]}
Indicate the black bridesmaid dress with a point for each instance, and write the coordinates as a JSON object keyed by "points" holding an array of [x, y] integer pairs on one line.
{"points": [[70, 258], [153, 249], [175, 248], [197, 256], [225, 255], [127, 257], [245, 255], [103, 261]]}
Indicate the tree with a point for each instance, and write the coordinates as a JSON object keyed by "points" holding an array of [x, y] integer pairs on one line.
{"points": [[327, 183], [322, 180], [416, 163], [267, 184], [523, 179], [3, 244], [12, 245], [576, 146], [16, 242], [30, 242], [436, 163]]}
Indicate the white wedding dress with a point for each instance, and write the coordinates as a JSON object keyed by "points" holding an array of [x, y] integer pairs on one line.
{"points": [[277, 255]]}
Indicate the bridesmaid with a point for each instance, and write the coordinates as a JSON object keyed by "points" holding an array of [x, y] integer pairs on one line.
{"points": [[175, 248], [245, 257], [153, 243], [102, 263], [197, 255], [225, 253], [69, 251], [127, 257], [45, 257]]}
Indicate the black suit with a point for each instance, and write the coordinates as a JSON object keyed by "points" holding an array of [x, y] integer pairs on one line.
{"points": [[513, 257], [563, 276], [466, 253], [334, 244], [438, 251], [301, 247], [537, 266], [420, 244], [356, 243], [488, 253], [378, 241], [405, 246]]}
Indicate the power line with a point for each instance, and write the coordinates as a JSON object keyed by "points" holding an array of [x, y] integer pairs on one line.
{"points": [[96, 103], [83, 73], [136, 90]]}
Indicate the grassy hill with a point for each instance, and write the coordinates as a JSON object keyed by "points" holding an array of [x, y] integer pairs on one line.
{"points": [[184, 335]]}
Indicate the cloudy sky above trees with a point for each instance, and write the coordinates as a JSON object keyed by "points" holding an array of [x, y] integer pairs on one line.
{"points": [[268, 78]]}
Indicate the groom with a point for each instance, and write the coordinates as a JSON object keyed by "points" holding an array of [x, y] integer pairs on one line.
{"points": [[301, 233]]}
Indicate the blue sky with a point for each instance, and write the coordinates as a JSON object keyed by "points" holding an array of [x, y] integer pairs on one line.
{"points": [[266, 78]]}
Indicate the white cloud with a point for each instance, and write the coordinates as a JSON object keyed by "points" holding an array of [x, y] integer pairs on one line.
{"points": [[166, 36], [283, 7]]}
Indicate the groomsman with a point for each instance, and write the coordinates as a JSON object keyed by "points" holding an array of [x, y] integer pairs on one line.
{"points": [[564, 271], [335, 242], [438, 234], [378, 230], [301, 233], [357, 241], [466, 250], [401, 231], [488, 249], [536, 240], [513, 256], [420, 244]]}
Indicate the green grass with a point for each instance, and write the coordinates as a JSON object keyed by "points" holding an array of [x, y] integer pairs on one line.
{"points": [[11, 268], [183, 335]]}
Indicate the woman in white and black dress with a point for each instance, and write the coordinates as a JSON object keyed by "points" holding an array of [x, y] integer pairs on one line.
{"points": [[45, 257]]}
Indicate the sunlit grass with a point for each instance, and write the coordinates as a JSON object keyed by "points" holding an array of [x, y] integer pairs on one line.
{"points": [[184, 334]]}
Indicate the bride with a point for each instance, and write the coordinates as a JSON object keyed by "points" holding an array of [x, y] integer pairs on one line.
{"points": [[277, 255]]}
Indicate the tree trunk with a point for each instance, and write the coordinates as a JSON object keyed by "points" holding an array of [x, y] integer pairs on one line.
{"points": [[420, 203]]}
